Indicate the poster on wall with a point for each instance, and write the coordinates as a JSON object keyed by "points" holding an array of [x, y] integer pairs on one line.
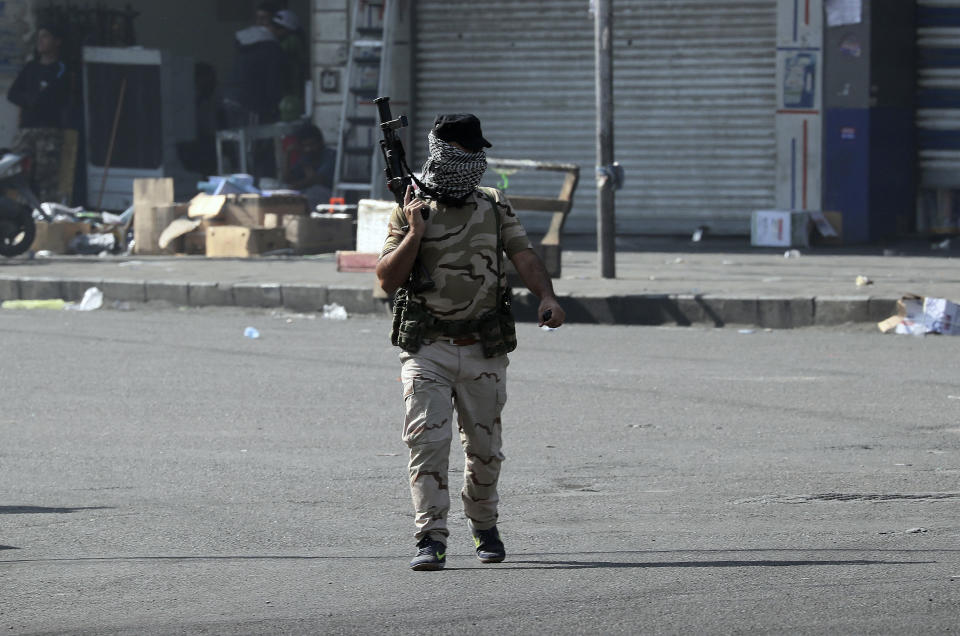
{"points": [[841, 12], [799, 80]]}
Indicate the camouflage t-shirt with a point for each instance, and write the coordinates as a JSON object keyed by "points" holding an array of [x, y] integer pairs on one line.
{"points": [[459, 249]]}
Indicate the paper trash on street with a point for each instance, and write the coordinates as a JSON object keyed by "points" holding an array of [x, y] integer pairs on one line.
{"points": [[917, 315]]}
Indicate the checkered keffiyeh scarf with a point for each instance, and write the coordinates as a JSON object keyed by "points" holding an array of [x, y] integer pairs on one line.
{"points": [[451, 173]]}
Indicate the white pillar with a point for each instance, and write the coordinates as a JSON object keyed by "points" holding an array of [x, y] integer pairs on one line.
{"points": [[329, 50], [799, 116]]}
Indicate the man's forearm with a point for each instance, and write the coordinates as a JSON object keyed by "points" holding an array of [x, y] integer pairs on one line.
{"points": [[533, 274], [20, 96], [394, 268]]}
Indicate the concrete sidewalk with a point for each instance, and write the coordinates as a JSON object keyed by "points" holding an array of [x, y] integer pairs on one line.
{"points": [[665, 283]]}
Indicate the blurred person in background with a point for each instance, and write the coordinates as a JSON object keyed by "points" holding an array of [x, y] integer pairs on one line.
{"points": [[312, 172], [285, 26], [264, 13], [42, 91], [259, 77]]}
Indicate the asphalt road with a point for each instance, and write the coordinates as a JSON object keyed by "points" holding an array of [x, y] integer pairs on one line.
{"points": [[163, 474]]}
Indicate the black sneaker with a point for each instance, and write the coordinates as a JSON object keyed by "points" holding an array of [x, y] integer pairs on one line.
{"points": [[489, 546], [431, 555]]}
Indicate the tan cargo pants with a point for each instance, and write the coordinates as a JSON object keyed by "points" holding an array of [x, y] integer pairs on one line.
{"points": [[436, 379]]}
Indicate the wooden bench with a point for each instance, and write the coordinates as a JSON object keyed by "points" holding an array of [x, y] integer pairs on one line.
{"points": [[549, 246]]}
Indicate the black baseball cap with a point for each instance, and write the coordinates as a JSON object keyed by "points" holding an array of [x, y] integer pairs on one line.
{"points": [[463, 128]]}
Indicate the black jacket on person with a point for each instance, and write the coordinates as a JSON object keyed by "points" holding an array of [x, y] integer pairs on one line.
{"points": [[42, 92], [260, 73]]}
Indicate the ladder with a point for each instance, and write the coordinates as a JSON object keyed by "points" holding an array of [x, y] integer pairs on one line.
{"points": [[358, 171]]}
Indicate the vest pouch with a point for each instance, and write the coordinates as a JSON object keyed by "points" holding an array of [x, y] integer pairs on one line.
{"points": [[409, 323], [508, 326], [498, 330], [399, 307], [491, 339], [410, 336]]}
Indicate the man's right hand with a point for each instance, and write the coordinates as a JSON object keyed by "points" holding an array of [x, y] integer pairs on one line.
{"points": [[413, 211], [394, 267]]}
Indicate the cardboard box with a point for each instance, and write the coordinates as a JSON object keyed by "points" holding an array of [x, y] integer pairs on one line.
{"points": [[149, 224], [235, 214], [941, 316], [55, 237], [148, 195], [175, 231], [834, 222], [251, 209], [231, 241], [777, 228], [206, 206], [193, 242], [186, 236], [317, 235], [326, 233]]}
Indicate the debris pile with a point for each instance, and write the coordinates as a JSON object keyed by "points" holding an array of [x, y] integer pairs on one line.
{"points": [[228, 218], [919, 316]]}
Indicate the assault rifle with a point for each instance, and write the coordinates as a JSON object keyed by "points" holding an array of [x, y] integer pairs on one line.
{"points": [[399, 177]]}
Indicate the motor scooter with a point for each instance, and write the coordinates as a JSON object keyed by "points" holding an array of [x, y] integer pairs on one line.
{"points": [[17, 226]]}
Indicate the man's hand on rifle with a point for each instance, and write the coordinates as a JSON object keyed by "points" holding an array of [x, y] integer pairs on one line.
{"points": [[413, 211]]}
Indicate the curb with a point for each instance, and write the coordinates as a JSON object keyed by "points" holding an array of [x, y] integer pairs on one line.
{"points": [[297, 297], [684, 310], [773, 312]]}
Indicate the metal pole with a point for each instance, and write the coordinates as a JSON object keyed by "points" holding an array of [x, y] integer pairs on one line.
{"points": [[606, 228], [113, 139]]}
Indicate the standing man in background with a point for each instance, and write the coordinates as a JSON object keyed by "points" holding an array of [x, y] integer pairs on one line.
{"points": [[264, 13], [258, 81], [286, 27], [42, 92]]}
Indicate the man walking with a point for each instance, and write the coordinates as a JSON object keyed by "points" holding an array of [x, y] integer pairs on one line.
{"points": [[456, 333]]}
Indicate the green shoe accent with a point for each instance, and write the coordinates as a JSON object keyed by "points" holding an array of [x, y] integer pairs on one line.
{"points": [[489, 546], [431, 555]]}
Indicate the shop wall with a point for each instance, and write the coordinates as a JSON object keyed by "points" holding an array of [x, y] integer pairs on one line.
{"points": [[694, 93], [694, 84], [201, 30], [331, 41], [15, 21]]}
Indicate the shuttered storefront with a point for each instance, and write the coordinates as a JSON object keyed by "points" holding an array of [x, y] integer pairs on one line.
{"points": [[938, 114], [694, 100]]}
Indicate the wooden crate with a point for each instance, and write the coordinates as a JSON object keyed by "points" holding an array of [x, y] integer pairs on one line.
{"points": [[149, 194], [149, 224], [55, 237], [252, 209], [318, 235], [234, 241]]}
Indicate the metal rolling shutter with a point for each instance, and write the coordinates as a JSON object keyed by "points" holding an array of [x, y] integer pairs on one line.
{"points": [[694, 92], [938, 93]]}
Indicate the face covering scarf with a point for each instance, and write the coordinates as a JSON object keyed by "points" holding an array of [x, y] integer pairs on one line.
{"points": [[451, 174]]}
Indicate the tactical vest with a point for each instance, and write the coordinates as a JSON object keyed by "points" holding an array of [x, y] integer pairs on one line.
{"points": [[496, 330]]}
